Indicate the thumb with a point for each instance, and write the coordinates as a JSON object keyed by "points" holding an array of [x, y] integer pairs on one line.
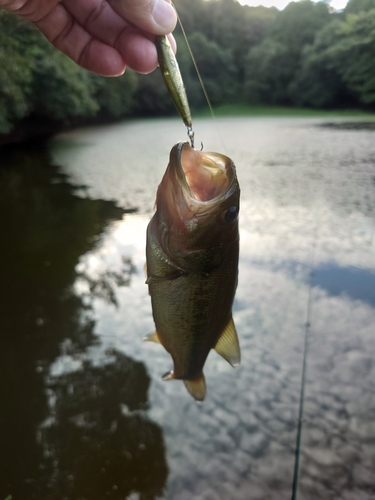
{"points": [[154, 16]]}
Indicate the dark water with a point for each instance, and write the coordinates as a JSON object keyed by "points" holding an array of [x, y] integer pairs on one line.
{"points": [[84, 413], [83, 434]]}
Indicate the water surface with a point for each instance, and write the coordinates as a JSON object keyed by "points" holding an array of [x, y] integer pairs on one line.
{"points": [[86, 414]]}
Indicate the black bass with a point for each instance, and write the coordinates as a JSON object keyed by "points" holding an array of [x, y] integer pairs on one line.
{"points": [[192, 262]]}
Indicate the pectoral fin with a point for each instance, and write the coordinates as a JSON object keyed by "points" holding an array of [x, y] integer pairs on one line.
{"points": [[197, 388], [227, 345], [167, 277]]}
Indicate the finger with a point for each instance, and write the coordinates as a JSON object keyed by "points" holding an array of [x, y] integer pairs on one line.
{"points": [[67, 35], [136, 46], [139, 52], [98, 18], [154, 16]]}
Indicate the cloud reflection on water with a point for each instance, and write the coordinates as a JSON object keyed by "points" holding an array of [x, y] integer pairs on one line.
{"points": [[243, 436], [307, 205]]}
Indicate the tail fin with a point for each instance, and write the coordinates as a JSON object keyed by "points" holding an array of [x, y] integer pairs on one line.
{"points": [[197, 388]]}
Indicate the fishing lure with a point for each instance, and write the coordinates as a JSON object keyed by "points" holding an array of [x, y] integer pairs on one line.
{"points": [[174, 82]]}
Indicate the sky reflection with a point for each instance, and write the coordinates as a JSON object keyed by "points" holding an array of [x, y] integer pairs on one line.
{"points": [[307, 207], [356, 283]]}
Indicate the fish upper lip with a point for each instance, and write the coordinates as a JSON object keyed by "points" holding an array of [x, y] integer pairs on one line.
{"points": [[186, 188]]}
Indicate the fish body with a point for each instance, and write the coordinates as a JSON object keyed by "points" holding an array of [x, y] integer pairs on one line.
{"points": [[173, 79], [192, 262]]}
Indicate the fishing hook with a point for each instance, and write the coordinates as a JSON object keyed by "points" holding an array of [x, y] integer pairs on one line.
{"points": [[190, 133]]}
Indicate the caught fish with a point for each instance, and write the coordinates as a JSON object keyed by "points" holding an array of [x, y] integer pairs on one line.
{"points": [[192, 262], [173, 81]]}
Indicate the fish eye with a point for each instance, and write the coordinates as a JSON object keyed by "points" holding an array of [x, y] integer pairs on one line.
{"points": [[231, 214]]}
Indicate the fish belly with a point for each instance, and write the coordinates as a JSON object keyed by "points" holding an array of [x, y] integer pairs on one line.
{"points": [[191, 311]]}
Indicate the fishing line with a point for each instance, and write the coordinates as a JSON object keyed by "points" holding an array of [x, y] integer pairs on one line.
{"points": [[195, 66], [199, 75], [303, 378]]}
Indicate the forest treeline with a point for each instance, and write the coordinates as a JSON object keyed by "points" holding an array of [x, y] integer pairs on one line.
{"points": [[306, 55]]}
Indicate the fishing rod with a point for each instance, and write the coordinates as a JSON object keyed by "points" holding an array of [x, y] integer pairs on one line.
{"points": [[300, 418]]}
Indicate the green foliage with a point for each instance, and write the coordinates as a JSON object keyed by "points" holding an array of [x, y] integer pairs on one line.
{"points": [[318, 83], [151, 96], [304, 55], [357, 6], [339, 66], [37, 79], [216, 67], [268, 72], [61, 89], [193, 87], [232, 27], [354, 53], [297, 25], [272, 66], [114, 96], [15, 74]]}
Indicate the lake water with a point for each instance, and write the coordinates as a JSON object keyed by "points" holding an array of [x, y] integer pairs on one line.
{"points": [[84, 412]]}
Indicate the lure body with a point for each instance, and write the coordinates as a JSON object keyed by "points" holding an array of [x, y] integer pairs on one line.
{"points": [[173, 80]]}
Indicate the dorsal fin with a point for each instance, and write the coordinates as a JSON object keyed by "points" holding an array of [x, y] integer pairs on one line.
{"points": [[197, 388], [152, 337], [227, 345]]}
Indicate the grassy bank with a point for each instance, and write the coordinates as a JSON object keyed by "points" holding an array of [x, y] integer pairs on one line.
{"points": [[245, 110]]}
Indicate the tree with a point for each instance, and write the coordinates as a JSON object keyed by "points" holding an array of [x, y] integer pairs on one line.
{"points": [[298, 23], [354, 55], [15, 74], [273, 65], [268, 72], [340, 64], [216, 67], [114, 96], [60, 89], [318, 83], [357, 6]]}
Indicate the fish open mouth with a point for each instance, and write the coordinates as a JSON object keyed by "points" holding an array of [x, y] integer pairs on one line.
{"points": [[204, 175]]}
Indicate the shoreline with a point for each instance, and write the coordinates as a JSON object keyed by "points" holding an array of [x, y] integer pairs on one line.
{"points": [[39, 129]]}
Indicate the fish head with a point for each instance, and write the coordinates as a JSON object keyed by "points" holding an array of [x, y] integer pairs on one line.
{"points": [[198, 200]]}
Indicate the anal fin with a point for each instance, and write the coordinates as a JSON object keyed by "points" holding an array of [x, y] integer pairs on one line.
{"points": [[152, 337], [197, 388], [228, 346]]}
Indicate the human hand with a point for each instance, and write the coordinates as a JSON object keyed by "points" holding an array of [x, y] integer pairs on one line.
{"points": [[103, 36]]}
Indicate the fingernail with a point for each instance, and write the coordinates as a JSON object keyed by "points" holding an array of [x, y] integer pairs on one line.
{"points": [[165, 16]]}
